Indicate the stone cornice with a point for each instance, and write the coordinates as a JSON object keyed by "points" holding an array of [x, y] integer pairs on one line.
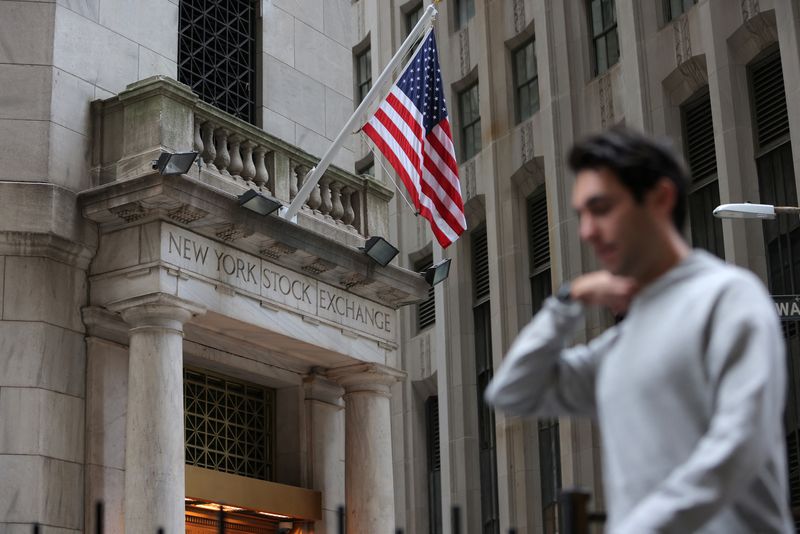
{"points": [[156, 197], [49, 246]]}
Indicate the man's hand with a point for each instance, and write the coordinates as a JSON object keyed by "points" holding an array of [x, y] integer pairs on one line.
{"points": [[601, 288]]}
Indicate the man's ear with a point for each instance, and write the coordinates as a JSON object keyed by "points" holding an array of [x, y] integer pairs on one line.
{"points": [[663, 197]]}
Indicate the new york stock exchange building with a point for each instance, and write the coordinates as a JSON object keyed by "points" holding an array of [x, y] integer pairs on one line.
{"points": [[164, 349]]}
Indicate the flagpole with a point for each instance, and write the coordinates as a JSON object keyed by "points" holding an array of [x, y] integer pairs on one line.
{"points": [[316, 173]]}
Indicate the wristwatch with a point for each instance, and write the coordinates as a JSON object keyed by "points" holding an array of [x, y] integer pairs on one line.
{"points": [[564, 293]]}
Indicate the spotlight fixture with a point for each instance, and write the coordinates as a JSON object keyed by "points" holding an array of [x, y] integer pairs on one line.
{"points": [[380, 250], [437, 273], [170, 164], [258, 203]]}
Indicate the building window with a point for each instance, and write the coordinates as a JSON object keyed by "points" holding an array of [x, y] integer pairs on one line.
{"points": [[776, 184], [363, 73], [675, 8], [603, 21], [426, 310], [539, 249], [526, 81], [550, 470], [698, 135], [468, 104], [465, 10], [229, 425], [217, 55], [412, 17], [434, 466], [487, 448]]}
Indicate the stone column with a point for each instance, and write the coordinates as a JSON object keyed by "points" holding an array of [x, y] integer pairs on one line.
{"points": [[154, 441], [369, 484]]}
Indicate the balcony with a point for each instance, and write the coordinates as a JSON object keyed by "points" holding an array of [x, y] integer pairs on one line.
{"points": [[159, 114]]}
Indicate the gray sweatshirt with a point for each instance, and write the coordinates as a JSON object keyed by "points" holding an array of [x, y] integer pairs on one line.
{"points": [[688, 391]]}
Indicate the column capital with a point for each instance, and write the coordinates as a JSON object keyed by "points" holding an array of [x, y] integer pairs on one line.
{"points": [[320, 388], [156, 309], [366, 377]]}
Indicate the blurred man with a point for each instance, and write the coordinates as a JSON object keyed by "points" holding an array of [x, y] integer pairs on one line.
{"points": [[689, 389]]}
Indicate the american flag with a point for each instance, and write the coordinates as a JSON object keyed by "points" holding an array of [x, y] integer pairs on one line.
{"points": [[412, 131]]}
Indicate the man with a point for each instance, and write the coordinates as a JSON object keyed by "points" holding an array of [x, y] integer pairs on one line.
{"points": [[689, 388]]}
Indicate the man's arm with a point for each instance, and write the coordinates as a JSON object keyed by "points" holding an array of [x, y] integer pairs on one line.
{"points": [[539, 375], [746, 365]]}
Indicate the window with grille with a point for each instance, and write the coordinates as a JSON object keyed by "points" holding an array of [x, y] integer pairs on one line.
{"points": [[484, 371], [465, 10], [426, 310], [363, 73], [229, 425], [412, 17], [434, 465], [675, 8], [698, 135], [550, 469], [468, 101], [217, 53], [776, 184], [526, 80], [605, 41], [539, 249]]}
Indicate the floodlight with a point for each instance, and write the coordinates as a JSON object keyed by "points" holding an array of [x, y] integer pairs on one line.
{"points": [[258, 203], [170, 164], [380, 250], [437, 273]]}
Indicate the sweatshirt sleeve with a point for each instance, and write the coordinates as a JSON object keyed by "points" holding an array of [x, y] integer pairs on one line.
{"points": [[539, 375], [746, 365]]}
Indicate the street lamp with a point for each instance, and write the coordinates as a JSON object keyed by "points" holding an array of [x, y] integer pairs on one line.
{"points": [[753, 211]]}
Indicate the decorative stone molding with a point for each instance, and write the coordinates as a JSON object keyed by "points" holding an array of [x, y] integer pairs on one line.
{"points": [[519, 15], [366, 378], [156, 309], [683, 43], [277, 249], [606, 95], [526, 137], [463, 51], [231, 233], [469, 179], [186, 214], [750, 9], [355, 280], [130, 212], [318, 266]]}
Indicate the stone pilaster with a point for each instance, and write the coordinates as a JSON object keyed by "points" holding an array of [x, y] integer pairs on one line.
{"points": [[369, 481], [154, 440], [326, 450]]}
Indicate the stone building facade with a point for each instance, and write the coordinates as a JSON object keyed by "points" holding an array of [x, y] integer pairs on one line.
{"points": [[527, 78], [164, 351]]}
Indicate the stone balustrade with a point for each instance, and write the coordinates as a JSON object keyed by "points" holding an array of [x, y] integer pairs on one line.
{"points": [[159, 114]]}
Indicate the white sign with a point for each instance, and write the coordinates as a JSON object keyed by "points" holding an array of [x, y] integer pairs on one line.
{"points": [[273, 283]]}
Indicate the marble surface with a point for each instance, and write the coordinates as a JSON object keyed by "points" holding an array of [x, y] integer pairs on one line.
{"points": [[106, 403], [44, 290], [41, 422], [41, 490], [39, 355]]}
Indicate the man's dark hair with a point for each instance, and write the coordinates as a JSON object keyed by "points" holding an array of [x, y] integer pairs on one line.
{"points": [[637, 160]]}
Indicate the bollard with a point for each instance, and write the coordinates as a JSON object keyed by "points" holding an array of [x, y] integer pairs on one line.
{"points": [[98, 517], [340, 513], [456, 518], [221, 520], [573, 511], [36, 528]]}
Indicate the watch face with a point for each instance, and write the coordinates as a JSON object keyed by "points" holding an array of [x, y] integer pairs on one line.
{"points": [[564, 291]]}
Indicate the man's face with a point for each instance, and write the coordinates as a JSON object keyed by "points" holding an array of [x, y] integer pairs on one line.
{"points": [[612, 222]]}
